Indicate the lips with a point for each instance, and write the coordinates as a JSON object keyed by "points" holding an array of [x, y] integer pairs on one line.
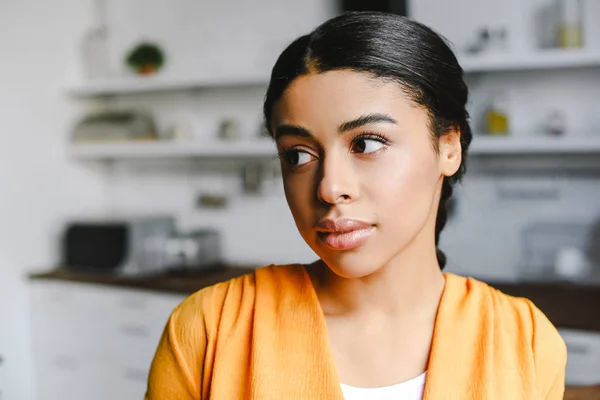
{"points": [[344, 234]]}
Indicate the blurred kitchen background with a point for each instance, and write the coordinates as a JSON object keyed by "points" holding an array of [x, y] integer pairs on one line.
{"points": [[134, 170]]}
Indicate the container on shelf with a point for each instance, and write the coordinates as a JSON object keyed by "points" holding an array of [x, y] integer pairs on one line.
{"points": [[570, 26], [496, 117], [94, 46]]}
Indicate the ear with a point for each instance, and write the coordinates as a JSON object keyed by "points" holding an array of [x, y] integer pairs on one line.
{"points": [[450, 152]]}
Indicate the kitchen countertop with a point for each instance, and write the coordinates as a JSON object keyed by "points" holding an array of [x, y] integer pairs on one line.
{"points": [[582, 393], [184, 284], [567, 305]]}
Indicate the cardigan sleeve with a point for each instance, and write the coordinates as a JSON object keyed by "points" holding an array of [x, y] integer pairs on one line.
{"points": [[178, 366], [550, 354]]}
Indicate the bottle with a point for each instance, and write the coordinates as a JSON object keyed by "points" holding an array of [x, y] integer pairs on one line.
{"points": [[95, 45], [497, 116], [570, 27]]}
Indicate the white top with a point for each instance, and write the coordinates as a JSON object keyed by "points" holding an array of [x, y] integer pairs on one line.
{"points": [[409, 390]]}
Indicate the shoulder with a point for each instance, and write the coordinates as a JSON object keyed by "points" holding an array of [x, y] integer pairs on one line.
{"points": [[520, 322], [221, 302]]}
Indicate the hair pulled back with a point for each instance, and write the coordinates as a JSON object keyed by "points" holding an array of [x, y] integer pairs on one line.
{"points": [[393, 48]]}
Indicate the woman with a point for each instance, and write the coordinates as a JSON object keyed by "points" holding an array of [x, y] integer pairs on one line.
{"points": [[368, 113]]}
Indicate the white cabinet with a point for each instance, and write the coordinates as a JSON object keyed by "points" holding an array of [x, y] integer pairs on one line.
{"points": [[93, 341]]}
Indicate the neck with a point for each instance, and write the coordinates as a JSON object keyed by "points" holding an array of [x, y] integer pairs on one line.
{"points": [[410, 284]]}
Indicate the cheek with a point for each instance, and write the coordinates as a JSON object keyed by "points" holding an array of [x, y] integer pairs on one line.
{"points": [[299, 194], [405, 188]]}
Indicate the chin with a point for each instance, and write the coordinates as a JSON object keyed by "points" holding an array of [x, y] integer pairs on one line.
{"points": [[351, 264]]}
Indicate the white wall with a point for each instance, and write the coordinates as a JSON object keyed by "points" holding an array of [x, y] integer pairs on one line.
{"points": [[38, 186], [485, 237]]}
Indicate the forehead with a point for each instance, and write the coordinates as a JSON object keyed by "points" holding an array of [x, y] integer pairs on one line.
{"points": [[333, 97]]}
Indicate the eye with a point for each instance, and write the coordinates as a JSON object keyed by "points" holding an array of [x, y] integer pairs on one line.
{"points": [[296, 157], [368, 144]]}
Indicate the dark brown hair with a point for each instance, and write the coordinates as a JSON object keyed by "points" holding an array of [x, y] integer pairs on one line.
{"points": [[388, 47]]}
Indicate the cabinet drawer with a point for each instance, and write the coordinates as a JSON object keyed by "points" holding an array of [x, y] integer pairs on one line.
{"points": [[68, 378], [134, 343], [128, 383], [137, 305], [95, 342], [583, 358]]}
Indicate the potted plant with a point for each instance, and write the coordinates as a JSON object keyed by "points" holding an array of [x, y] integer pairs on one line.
{"points": [[146, 58]]}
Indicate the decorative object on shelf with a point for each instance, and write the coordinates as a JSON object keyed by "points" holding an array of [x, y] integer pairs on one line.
{"points": [[488, 40], [211, 201], [115, 126], [496, 116], [228, 129], [556, 123], [252, 176], [545, 25], [146, 58], [570, 28], [95, 45], [177, 131]]}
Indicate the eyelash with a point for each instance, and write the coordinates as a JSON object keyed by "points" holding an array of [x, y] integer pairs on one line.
{"points": [[285, 152], [371, 136]]}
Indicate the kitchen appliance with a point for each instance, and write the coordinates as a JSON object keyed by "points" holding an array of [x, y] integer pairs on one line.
{"points": [[190, 252], [559, 250], [115, 126], [130, 246]]}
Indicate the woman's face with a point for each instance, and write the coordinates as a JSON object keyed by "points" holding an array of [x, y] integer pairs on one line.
{"points": [[360, 171]]}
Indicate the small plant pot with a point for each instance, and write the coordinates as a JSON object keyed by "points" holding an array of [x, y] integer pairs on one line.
{"points": [[147, 69]]}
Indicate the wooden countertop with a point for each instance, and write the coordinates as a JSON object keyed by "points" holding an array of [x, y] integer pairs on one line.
{"points": [[567, 305], [582, 393], [184, 284]]}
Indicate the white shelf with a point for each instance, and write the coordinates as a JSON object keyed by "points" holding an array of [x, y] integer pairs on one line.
{"points": [[541, 59], [535, 145], [149, 84], [493, 62], [259, 148], [265, 148]]}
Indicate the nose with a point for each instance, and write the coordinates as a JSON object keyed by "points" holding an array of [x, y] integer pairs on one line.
{"points": [[338, 181]]}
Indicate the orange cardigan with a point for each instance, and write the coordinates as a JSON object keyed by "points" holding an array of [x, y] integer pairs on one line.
{"points": [[263, 336]]}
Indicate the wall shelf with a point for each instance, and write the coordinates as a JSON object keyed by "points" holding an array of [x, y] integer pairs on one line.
{"points": [[541, 59], [496, 62], [243, 148], [535, 145], [265, 148], [155, 84]]}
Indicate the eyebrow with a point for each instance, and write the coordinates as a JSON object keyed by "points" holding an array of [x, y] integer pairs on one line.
{"points": [[376, 118], [365, 120]]}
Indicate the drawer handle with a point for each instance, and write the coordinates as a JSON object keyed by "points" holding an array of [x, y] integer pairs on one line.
{"points": [[136, 375], [135, 330]]}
